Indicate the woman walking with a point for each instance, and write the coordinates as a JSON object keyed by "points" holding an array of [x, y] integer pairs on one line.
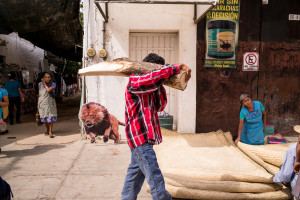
{"points": [[252, 121], [46, 102]]}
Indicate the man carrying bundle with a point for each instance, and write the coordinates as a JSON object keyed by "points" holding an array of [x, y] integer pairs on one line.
{"points": [[145, 96]]}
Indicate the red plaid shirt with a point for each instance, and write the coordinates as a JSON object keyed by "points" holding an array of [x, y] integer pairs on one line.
{"points": [[145, 96]]}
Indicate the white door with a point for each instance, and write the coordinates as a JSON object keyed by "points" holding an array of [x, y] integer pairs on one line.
{"points": [[166, 46]]}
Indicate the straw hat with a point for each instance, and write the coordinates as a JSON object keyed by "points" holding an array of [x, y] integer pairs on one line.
{"points": [[297, 128]]}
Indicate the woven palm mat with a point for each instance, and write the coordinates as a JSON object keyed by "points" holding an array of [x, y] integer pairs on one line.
{"points": [[270, 153], [211, 166]]}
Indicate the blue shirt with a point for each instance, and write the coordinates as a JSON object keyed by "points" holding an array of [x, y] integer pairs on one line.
{"points": [[242, 116], [253, 128], [53, 85], [286, 173], [12, 88], [3, 92]]}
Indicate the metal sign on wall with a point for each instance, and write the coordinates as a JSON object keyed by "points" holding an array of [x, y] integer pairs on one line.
{"points": [[222, 29], [250, 61]]}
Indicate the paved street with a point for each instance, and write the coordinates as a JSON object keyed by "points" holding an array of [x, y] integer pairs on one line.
{"points": [[65, 167]]}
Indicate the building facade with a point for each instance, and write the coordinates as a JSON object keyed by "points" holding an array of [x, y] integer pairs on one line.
{"points": [[21, 55], [270, 28], [135, 30], [211, 100]]}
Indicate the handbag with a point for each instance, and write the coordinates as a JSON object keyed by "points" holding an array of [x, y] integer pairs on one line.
{"points": [[38, 119], [4, 112]]}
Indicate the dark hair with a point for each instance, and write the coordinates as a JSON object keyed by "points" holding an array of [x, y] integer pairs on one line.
{"points": [[12, 75], [51, 75], [41, 75], [5, 190], [39, 79], [242, 97], [154, 58]]}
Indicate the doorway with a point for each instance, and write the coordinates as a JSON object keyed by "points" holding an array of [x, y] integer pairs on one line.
{"points": [[164, 45]]}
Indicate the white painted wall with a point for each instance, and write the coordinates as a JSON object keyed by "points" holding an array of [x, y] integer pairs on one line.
{"points": [[21, 52], [124, 18]]}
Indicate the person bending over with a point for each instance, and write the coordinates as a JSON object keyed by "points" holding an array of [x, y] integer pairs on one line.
{"points": [[252, 121]]}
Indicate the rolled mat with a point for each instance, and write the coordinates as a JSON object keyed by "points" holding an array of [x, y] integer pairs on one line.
{"points": [[211, 166], [221, 186], [187, 193], [270, 168], [209, 156], [270, 153]]}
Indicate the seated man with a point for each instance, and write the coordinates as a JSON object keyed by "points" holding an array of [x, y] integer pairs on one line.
{"points": [[296, 188], [286, 173]]}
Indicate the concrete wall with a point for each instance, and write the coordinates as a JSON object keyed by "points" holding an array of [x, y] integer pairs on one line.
{"points": [[126, 18], [22, 53]]}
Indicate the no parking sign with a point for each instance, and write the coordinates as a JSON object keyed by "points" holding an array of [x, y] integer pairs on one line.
{"points": [[250, 61]]}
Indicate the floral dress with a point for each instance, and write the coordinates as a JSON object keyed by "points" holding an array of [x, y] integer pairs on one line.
{"points": [[46, 104]]}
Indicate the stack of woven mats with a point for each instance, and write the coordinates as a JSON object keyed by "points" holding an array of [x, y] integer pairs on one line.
{"points": [[211, 166]]}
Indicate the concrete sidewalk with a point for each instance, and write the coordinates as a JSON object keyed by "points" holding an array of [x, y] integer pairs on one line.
{"points": [[65, 167], [72, 171]]}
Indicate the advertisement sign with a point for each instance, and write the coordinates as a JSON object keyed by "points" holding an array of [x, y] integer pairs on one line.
{"points": [[222, 29], [250, 61]]}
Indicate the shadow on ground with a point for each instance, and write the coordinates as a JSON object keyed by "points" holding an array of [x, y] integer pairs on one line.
{"points": [[67, 128]]}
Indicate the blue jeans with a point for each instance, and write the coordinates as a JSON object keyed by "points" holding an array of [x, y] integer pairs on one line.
{"points": [[144, 164]]}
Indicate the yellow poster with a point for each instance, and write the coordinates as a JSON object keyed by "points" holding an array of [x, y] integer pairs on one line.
{"points": [[222, 25]]}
